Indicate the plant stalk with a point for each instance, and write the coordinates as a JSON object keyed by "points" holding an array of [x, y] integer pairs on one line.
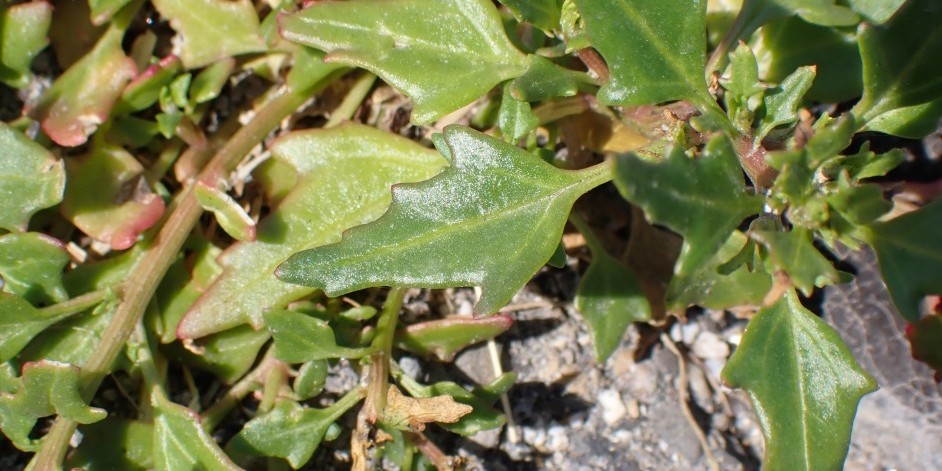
{"points": [[382, 354]]}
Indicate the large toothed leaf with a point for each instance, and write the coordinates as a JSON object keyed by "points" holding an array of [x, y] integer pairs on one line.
{"points": [[82, 97], [911, 257], [31, 178], [702, 199], [180, 442], [902, 79], [492, 220], [290, 431], [443, 54], [31, 266], [664, 58], [23, 29], [108, 199], [344, 176], [212, 30], [804, 384]]}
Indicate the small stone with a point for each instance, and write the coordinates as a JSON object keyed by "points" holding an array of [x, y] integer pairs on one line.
{"points": [[634, 409], [613, 408], [709, 346]]}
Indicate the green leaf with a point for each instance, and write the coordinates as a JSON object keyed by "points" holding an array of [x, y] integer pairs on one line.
{"points": [[665, 58], [610, 298], [876, 11], [180, 442], [47, 388], [145, 89], [492, 220], [23, 29], [866, 164], [72, 340], [31, 265], [19, 323], [114, 444], [103, 10], [107, 198], [544, 80], [209, 82], [344, 175], [788, 44], [186, 280], [910, 257], [482, 398], [782, 102], [443, 55], [543, 14], [515, 117], [743, 89], [311, 378], [444, 338], [300, 338], [804, 384], [902, 85], [212, 30], [711, 288], [31, 178], [229, 354], [81, 98], [291, 431], [702, 199], [231, 217], [794, 253], [925, 337]]}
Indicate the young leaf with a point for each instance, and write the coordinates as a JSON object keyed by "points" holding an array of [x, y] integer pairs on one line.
{"points": [[804, 384], [444, 338], [743, 89], [910, 257], [902, 88], [492, 220], [610, 298], [543, 14], [781, 102], [702, 199], [291, 431], [515, 117], [208, 83], [412, 413], [31, 178], [23, 30], [665, 57], [343, 180], [793, 252], [145, 89], [231, 217], [81, 98], [108, 199], [300, 338], [31, 266], [212, 30], [180, 442], [469, 55]]}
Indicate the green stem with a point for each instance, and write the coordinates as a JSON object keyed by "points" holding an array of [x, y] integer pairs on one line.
{"points": [[358, 92], [382, 354], [212, 416], [596, 175], [153, 264], [76, 305]]}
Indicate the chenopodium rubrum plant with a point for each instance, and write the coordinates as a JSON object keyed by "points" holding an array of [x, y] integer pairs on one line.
{"points": [[702, 125]]}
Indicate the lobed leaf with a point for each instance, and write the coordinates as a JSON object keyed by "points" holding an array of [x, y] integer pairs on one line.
{"points": [[31, 265], [212, 30], [804, 384], [180, 442], [492, 220], [782, 102], [469, 55], [902, 84], [794, 253], [343, 180], [702, 199], [47, 388], [31, 178]]}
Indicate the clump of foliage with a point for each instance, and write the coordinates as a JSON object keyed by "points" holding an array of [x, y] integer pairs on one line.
{"points": [[694, 110]]}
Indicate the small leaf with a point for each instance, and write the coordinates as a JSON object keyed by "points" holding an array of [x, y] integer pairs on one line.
{"points": [[180, 442], [743, 89], [866, 164], [145, 89], [703, 199], [444, 338], [910, 257], [543, 14], [229, 354], [300, 338], [492, 219], [311, 378], [412, 413], [31, 178], [925, 337], [23, 29], [31, 265], [877, 11], [114, 444], [663, 61], [82, 97], [898, 79], [212, 30], [794, 253], [515, 118], [610, 298], [782, 102], [804, 384], [231, 217], [291, 431], [469, 55], [208, 83], [108, 199], [544, 80], [344, 175], [103, 10], [47, 388], [19, 323]]}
